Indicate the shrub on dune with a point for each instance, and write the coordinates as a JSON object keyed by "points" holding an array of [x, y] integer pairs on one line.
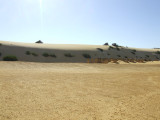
{"points": [[53, 55], [85, 55], [158, 52], [0, 44], [68, 55], [106, 44], [45, 54], [10, 58], [100, 49], [34, 54], [28, 53]]}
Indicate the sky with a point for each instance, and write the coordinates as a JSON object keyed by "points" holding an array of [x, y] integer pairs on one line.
{"points": [[132, 23]]}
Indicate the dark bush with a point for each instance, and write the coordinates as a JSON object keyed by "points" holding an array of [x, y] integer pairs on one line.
{"points": [[100, 49], [39, 41], [118, 49], [68, 55], [85, 55], [110, 47], [133, 52], [106, 44], [28, 52], [108, 54], [115, 44], [0, 54], [0, 44], [34, 54], [158, 52], [10, 58], [118, 55], [147, 55], [53, 55], [45, 54]]}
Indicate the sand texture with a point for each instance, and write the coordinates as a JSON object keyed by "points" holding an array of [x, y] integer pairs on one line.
{"points": [[79, 91]]}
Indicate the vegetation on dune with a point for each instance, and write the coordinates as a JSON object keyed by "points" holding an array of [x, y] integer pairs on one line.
{"points": [[10, 58], [34, 54], [68, 55], [118, 49], [0, 44], [53, 55], [31, 53], [85, 55], [133, 52], [45, 54], [28, 53], [106, 44], [110, 47], [0, 53], [158, 52], [115, 44], [100, 49], [49, 55]]}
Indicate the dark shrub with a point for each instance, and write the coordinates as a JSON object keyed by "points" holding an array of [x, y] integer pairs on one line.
{"points": [[53, 55], [28, 52], [10, 58], [118, 49], [100, 49], [68, 55], [147, 55], [158, 52], [125, 57], [45, 54], [0, 44], [0, 54], [106, 44], [108, 54], [115, 44], [118, 55], [85, 55], [133, 52], [34, 54], [39, 41], [110, 47]]}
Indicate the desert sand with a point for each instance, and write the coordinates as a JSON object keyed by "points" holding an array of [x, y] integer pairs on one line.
{"points": [[79, 91]]}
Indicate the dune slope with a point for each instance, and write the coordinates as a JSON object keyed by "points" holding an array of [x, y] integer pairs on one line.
{"points": [[71, 53]]}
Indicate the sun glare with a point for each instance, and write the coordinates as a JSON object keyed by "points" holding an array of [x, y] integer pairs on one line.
{"points": [[40, 3]]}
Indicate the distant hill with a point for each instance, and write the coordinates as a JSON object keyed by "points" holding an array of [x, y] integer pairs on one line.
{"points": [[72, 52]]}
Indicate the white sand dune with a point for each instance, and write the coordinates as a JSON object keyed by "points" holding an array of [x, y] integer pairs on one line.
{"points": [[19, 50]]}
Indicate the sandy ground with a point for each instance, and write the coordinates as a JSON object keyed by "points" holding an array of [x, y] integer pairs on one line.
{"points": [[79, 91]]}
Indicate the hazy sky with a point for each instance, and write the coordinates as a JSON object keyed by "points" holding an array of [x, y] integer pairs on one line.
{"points": [[134, 23]]}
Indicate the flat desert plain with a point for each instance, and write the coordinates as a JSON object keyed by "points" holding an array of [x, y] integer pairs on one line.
{"points": [[79, 91]]}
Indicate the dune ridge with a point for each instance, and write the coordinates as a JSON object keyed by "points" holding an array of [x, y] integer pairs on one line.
{"points": [[75, 52]]}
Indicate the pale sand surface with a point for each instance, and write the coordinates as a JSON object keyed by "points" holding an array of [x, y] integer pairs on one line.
{"points": [[79, 91]]}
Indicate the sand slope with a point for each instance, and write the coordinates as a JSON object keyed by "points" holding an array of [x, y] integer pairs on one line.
{"points": [[19, 50], [79, 91]]}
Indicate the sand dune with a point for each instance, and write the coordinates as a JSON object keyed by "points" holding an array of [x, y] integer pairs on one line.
{"points": [[79, 91], [77, 51]]}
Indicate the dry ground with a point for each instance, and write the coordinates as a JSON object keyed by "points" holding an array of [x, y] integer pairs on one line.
{"points": [[72, 91]]}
